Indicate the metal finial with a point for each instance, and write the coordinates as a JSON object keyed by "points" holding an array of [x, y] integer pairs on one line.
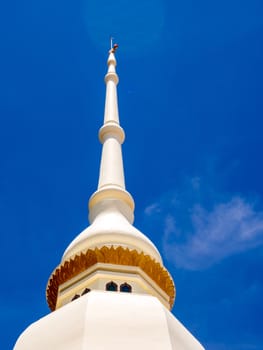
{"points": [[113, 47]]}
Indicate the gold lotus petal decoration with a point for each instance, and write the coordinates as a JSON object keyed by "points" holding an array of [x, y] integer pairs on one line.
{"points": [[109, 255]]}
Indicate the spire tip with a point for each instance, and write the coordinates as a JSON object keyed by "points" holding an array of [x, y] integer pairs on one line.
{"points": [[113, 47]]}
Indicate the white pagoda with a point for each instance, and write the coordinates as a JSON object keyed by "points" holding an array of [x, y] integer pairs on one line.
{"points": [[111, 289]]}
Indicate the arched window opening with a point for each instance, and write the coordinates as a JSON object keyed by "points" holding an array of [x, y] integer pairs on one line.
{"points": [[125, 287], [85, 291], [76, 296], [111, 286]]}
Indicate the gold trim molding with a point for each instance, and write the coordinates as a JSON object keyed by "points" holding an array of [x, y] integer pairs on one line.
{"points": [[111, 255]]}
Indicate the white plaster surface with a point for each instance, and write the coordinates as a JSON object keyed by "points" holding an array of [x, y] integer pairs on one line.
{"points": [[111, 169], [110, 227], [109, 320]]}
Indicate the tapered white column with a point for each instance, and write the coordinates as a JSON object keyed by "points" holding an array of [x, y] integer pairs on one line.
{"points": [[111, 187], [111, 104]]}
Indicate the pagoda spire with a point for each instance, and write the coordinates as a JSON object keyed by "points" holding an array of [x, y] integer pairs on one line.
{"points": [[111, 206], [111, 185]]}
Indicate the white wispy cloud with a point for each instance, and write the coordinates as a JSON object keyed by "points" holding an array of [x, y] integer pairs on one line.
{"points": [[152, 208], [206, 236]]}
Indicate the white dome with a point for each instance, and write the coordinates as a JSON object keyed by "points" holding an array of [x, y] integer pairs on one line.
{"points": [[109, 228], [109, 320]]}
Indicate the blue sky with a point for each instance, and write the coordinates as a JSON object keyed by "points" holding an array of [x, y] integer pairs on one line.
{"points": [[190, 100]]}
